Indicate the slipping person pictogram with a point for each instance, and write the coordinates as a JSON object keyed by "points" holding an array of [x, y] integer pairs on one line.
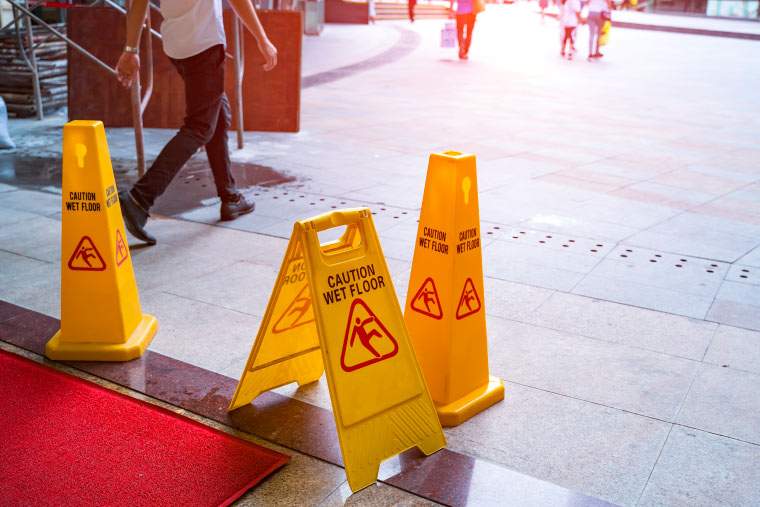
{"points": [[364, 337], [122, 252], [86, 257], [469, 302], [426, 301], [298, 313], [193, 38], [376, 342]]}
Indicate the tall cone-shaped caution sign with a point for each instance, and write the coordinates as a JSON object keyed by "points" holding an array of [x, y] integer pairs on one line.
{"points": [[445, 310], [101, 319], [333, 309]]}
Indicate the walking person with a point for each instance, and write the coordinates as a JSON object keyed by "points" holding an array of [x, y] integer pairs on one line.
{"points": [[569, 17], [194, 40], [410, 5], [543, 4], [598, 13], [466, 16]]}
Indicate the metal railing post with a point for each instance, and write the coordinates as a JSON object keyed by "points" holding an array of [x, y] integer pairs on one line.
{"points": [[239, 68], [32, 60]]}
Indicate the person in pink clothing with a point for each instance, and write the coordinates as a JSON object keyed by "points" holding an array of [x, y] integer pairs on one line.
{"points": [[465, 24], [569, 16]]}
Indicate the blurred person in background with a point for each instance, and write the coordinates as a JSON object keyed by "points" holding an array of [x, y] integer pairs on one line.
{"points": [[598, 13], [467, 12], [569, 17]]}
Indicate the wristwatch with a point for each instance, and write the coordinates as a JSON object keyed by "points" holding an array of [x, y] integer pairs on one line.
{"points": [[130, 49]]}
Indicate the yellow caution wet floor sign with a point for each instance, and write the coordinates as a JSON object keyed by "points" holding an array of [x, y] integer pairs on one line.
{"points": [[333, 309], [445, 312], [101, 319]]}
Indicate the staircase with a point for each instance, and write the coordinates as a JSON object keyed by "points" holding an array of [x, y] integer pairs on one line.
{"points": [[398, 10]]}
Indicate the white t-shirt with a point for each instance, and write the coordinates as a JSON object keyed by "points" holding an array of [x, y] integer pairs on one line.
{"points": [[568, 14], [191, 26], [598, 6]]}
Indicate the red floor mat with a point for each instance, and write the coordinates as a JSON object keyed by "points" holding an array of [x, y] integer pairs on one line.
{"points": [[66, 441]]}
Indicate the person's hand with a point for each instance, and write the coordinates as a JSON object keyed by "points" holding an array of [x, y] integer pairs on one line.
{"points": [[128, 68], [270, 54]]}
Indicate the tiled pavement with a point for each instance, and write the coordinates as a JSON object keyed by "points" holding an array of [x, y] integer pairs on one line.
{"points": [[619, 202]]}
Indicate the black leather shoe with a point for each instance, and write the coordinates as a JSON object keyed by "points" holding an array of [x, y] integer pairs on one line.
{"points": [[231, 209], [135, 218]]}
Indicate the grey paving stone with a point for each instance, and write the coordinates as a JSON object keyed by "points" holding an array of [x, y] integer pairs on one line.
{"points": [[736, 348], [615, 375], [637, 327], [741, 273], [737, 304], [30, 283], [527, 261], [243, 286], [38, 203], [724, 401], [574, 225], [675, 272], [39, 238], [644, 296], [218, 245], [582, 446], [700, 469], [510, 300], [376, 495], [618, 210], [707, 243], [10, 216], [316, 481], [199, 333]]}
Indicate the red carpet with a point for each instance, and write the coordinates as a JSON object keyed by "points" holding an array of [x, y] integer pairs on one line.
{"points": [[66, 441]]}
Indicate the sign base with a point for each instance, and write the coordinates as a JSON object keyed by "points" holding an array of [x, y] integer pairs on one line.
{"points": [[133, 348], [458, 411]]}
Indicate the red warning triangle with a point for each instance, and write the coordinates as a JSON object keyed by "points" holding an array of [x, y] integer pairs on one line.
{"points": [[469, 301], [298, 312], [86, 257], [122, 251], [426, 301], [367, 340]]}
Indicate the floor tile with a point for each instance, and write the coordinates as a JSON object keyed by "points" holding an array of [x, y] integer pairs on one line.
{"points": [[199, 333], [637, 327], [582, 446], [623, 377], [724, 401], [735, 348], [737, 304], [700, 469]]}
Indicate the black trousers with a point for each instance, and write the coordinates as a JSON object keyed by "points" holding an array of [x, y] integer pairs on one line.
{"points": [[208, 116], [465, 25]]}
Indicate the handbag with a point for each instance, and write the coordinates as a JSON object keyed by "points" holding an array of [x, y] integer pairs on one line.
{"points": [[448, 35], [479, 6]]}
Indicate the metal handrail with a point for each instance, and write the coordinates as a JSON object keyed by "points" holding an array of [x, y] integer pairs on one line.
{"points": [[139, 100]]}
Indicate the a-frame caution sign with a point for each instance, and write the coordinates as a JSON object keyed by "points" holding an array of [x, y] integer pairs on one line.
{"points": [[355, 333], [426, 301]]}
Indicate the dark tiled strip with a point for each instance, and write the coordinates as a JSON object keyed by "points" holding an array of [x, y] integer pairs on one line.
{"points": [[408, 42], [446, 477]]}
